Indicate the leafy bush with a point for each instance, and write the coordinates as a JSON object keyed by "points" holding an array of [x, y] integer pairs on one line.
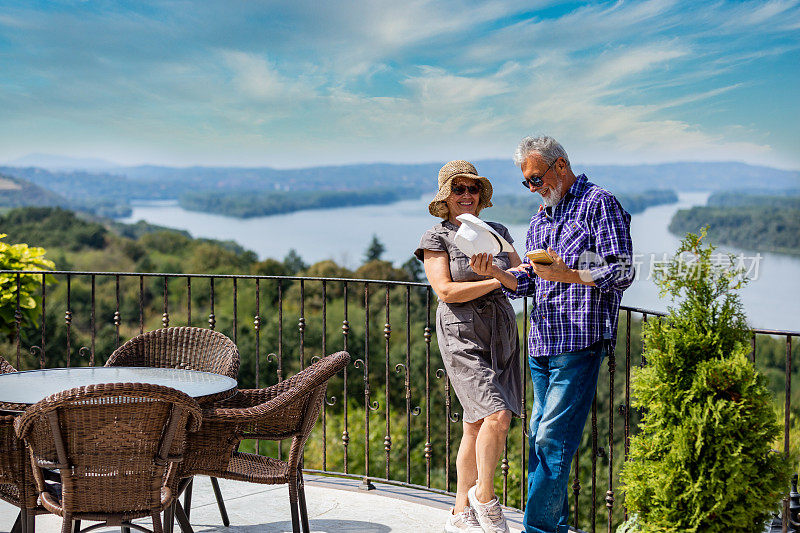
{"points": [[20, 257], [702, 461]]}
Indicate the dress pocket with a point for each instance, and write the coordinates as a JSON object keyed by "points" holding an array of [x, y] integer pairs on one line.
{"points": [[459, 325]]}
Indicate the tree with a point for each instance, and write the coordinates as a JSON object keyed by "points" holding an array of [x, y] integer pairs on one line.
{"points": [[702, 460], [413, 267], [293, 262], [20, 257], [374, 250]]}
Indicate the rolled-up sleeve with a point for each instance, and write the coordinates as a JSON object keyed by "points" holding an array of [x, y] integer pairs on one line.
{"points": [[613, 243]]}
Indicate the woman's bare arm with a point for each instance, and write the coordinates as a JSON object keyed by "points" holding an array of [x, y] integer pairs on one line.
{"points": [[437, 268]]}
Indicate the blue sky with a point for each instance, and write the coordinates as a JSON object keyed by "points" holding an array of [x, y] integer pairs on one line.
{"points": [[300, 83]]}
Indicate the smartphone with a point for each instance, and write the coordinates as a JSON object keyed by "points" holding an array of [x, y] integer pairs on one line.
{"points": [[539, 256]]}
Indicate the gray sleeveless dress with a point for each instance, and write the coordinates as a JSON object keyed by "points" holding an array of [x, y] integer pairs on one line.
{"points": [[478, 339]]}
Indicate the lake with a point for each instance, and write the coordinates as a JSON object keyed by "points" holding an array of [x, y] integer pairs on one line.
{"points": [[343, 234]]}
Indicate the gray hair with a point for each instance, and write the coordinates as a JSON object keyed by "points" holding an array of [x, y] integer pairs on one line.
{"points": [[547, 147]]}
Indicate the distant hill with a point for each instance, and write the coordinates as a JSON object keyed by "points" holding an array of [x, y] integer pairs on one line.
{"points": [[113, 189], [76, 194], [60, 162], [505, 177], [15, 192]]}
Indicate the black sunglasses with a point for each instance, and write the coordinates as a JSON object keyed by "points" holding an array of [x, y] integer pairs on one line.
{"points": [[461, 189], [537, 181]]}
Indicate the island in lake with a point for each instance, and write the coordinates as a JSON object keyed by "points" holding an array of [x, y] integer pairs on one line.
{"points": [[760, 222]]}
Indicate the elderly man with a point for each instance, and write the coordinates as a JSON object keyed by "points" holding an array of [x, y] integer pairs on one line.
{"points": [[573, 317]]}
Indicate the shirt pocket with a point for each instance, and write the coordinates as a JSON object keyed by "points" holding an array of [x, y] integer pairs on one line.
{"points": [[574, 238]]}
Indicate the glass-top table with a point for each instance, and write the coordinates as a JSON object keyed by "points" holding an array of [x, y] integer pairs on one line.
{"points": [[30, 386]]}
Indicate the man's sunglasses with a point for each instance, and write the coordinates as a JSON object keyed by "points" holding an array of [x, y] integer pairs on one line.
{"points": [[461, 189], [536, 181]]}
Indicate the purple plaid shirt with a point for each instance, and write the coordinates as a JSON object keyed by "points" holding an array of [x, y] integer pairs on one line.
{"points": [[590, 230]]}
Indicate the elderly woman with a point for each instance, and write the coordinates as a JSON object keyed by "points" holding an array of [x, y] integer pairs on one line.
{"points": [[477, 333]]}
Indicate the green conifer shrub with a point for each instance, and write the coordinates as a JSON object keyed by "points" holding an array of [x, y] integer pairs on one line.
{"points": [[702, 460]]}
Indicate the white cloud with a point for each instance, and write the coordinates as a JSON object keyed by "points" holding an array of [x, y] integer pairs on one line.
{"points": [[759, 14], [258, 78]]}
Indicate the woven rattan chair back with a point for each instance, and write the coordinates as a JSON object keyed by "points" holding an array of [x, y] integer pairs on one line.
{"points": [[188, 348], [287, 410], [5, 366], [298, 400], [113, 445], [16, 477]]}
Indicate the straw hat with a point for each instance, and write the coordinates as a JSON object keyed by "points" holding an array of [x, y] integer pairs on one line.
{"points": [[447, 173]]}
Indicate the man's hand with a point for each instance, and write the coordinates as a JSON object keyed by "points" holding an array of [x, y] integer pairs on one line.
{"points": [[556, 271], [559, 271], [482, 264]]}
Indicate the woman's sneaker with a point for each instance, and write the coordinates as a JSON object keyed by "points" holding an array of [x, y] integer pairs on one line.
{"points": [[463, 522], [489, 514]]}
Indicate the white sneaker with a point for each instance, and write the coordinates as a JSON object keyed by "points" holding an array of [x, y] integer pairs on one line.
{"points": [[489, 514], [463, 522]]}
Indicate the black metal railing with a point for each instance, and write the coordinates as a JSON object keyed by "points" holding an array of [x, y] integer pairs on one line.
{"points": [[386, 326]]}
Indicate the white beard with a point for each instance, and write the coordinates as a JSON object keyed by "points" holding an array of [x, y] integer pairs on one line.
{"points": [[554, 196]]}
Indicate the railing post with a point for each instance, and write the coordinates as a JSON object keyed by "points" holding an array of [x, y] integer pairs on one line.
{"points": [[42, 357], [212, 318], [117, 317], [786, 422], [428, 447], [627, 408], [345, 334], [68, 317], [301, 324], [366, 484], [612, 365], [325, 403], [18, 320], [387, 439]]}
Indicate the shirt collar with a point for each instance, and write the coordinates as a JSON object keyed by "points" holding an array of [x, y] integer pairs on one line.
{"points": [[580, 186]]}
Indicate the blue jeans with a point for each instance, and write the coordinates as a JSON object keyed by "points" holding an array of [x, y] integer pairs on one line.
{"points": [[563, 389]]}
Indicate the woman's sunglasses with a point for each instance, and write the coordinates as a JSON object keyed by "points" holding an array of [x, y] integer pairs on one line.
{"points": [[461, 189]]}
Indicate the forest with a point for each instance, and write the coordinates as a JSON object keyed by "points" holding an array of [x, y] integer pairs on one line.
{"points": [[245, 204], [760, 222]]}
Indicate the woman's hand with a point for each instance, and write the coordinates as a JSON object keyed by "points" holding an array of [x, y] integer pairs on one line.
{"points": [[482, 264], [522, 267]]}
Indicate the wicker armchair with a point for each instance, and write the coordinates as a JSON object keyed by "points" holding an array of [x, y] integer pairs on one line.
{"points": [[16, 477], [287, 410], [5, 366], [188, 348], [114, 445]]}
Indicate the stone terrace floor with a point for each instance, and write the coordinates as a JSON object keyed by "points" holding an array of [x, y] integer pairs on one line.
{"points": [[334, 505]]}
